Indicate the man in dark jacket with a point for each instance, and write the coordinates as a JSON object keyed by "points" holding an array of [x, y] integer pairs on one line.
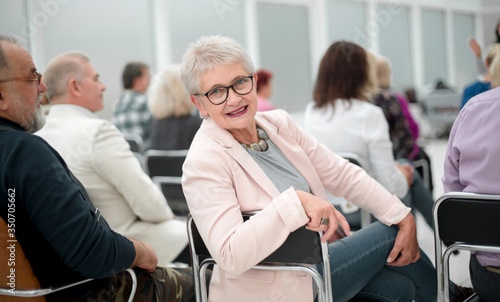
{"points": [[62, 234]]}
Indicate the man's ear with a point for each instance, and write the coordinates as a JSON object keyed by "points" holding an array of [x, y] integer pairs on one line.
{"points": [[73, 87]]}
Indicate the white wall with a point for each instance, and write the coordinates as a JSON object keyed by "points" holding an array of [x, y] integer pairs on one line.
{"points": [[425, 39]]}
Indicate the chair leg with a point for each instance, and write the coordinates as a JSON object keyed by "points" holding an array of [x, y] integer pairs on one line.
{"points": [[134, 284]]}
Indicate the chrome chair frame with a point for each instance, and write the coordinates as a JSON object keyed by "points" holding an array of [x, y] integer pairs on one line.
{"points": [[198, 248], [366, 218], [30, 293], [479, 233], [169, 154]]}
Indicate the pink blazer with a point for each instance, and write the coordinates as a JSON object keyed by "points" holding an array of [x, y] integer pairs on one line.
{"points": [[221, 180]]}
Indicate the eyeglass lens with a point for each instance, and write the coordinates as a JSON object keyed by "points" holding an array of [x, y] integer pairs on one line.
{"points": [[241, 86]]}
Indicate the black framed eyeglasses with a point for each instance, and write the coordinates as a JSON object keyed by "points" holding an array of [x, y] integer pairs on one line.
{"points": [[218, 95], [36, 77]]}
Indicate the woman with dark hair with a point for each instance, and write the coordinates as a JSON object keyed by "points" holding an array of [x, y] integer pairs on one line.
{"points": [[342, 118]]}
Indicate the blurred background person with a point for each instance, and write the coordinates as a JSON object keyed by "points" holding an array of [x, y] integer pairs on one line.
{"points": [[130, 112], [175, 123], [484, 84], [399, 129], [342, 118], [100, 158], [265, 88], [384, 79], [472, 165], [476, 49], [175, 118]]}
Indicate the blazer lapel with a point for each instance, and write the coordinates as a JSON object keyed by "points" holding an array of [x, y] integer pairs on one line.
{"points": [[240, 155]]}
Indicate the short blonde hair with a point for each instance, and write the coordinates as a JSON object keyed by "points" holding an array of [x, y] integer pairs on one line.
{"points": [[383, 72], [167, 97], [494, 71], [207, 53], [372, 85], [493, 51]]}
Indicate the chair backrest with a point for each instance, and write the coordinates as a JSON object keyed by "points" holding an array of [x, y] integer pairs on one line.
{"points": [[299, 247], [424, 168], [469, 218], [135, 141], [164, 162], [463, 221], [165, 169], [24, 276]]}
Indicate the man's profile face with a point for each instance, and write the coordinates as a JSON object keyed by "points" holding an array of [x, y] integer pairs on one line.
{"points": [[92, 88], [23, 96], [143, 80]]}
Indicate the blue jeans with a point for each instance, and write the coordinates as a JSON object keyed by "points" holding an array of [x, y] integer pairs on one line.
{"points": [[358, 269], [419, 197]]}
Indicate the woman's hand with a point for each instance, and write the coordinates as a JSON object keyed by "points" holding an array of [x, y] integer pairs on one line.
{"points": [[474, 46], [405, 250], [407, 170], [318, 210]]}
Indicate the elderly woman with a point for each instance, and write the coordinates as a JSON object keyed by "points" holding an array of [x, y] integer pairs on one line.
{"points": [[243, 161], [174, 125]]}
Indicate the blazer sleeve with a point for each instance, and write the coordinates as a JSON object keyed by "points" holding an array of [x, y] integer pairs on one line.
{"points": [[113, 160], [215, 187], [342, 178]]}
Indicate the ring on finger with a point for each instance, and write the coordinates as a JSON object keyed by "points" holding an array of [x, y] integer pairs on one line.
{"points": [[324, 221]]}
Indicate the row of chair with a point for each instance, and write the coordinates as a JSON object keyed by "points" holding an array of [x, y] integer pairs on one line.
{"points": [[464, 221]]}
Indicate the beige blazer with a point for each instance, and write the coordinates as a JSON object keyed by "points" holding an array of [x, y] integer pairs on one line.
{"points": [[100, 158], [221, 180]]}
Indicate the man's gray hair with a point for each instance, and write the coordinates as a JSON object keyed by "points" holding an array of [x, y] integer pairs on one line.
{"points": [[207, 53], [5, 68], [61, 69]]}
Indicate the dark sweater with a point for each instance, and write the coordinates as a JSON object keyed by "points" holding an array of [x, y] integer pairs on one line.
{"points": [[174, 133], [63, 237]]}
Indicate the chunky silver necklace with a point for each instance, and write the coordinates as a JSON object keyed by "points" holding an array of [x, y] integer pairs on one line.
{"points": [[262, 145]]}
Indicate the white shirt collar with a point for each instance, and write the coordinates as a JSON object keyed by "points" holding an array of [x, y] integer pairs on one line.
{"points": [[80, 109]]}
